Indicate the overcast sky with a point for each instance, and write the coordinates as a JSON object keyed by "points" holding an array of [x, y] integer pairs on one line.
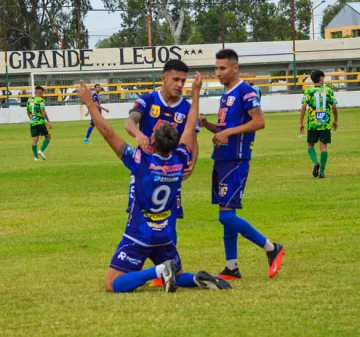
{"points": [[102, 24]]}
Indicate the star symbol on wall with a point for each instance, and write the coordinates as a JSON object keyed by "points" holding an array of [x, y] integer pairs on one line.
{"points": [[200, 51], [186, 52], [193, 52]]}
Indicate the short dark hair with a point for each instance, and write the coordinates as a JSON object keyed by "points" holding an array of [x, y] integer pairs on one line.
{"points": [[251, 83], [316, 75], [227, 54], [176, 65], [97, 84], [39, 87], [166, 138]]}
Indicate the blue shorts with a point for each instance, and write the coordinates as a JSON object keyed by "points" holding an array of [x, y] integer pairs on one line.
{"points": [[130, 256], [228, 182], [179, 208]]}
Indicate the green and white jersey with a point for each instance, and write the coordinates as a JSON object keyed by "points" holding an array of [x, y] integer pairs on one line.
{"points": [[34, 106], [319, 99]]}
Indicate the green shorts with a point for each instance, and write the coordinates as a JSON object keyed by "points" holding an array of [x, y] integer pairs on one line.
{"points": [[314, 135], [39, 130]]}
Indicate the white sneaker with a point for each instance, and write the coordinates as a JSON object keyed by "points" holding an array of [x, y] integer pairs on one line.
{"points": [[36, 159], [41, 154], [169, 276]]}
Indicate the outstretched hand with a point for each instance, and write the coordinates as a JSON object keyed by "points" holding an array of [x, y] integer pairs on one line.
{"points": [[85, 94], [197, 82]]}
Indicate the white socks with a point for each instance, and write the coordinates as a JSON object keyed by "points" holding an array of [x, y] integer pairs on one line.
{"points": [[269, 246], [232, 264], [159, 270]]}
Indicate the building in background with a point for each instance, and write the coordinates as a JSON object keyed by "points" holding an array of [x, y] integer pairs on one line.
{"points": [[346, 23]]}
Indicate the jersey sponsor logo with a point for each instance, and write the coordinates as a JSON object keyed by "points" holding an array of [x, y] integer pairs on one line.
{"points": [[223, 188], [157, 216], [167, 114], [138, 156], [230, 100], [166, 168], [179, 117], [123, 256], [155, 111], [166, 179], [157, 226], [222, 116], [249, 95], [140, 101]]}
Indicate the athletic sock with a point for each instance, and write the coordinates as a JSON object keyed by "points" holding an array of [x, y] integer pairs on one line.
{"points": [[323, 160], [232, 264], [269, 246], [34, 150], [230, 243], [45, 144], [131, 281], [186, 280], [312, 154], [230, 220], [88, 133], [159, 270]]}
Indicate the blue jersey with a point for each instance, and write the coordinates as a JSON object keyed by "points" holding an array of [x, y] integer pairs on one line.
{"points": [[152, 217], [233, 111], [96, 98], [155, 112]]}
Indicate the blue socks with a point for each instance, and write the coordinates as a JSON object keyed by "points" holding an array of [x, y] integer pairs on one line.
{"points": [[186, 280], [230, 243], [236, 224], [88, 133], [130, 281]]}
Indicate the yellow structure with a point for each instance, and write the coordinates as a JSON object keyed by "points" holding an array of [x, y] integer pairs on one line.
{"points": [[346, 23]]}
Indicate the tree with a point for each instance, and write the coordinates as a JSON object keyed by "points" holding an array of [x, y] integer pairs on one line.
{"points": [[31, 24]]}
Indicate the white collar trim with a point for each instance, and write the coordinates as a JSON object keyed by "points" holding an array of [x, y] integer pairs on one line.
{"points": [[233, 88], [171, 106]]}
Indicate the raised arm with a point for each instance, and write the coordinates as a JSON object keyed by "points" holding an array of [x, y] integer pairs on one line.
{"points": [[188, 135], [116, 143]]}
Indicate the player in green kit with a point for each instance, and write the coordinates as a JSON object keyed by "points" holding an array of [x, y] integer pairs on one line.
{"points": [[321, 101], [39, 122]]}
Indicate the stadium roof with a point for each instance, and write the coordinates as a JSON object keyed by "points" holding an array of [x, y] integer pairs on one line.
{"points": [[349, 15]]}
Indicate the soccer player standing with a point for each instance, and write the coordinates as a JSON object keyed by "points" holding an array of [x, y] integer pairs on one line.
{"points": [[39, 122], [154, 109], [320, 100], [149, 231], [96, 99], [239, 117]]}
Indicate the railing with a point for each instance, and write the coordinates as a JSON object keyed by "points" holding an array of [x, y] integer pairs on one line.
{"points": [[118, 92]]}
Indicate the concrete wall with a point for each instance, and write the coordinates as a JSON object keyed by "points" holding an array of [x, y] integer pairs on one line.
{"points": [[273, 103]]}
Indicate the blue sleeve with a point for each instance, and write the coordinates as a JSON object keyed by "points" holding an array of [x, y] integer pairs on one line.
{"points": [[249, 97], [132, 158], [142, 104], [95, 97], [185, 154]]}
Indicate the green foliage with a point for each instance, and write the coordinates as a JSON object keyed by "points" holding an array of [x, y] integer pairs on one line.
{"points": [[61, 220], [30, 24]]}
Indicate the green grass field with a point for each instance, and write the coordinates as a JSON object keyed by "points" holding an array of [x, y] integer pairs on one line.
{"points": [[62, 219]]}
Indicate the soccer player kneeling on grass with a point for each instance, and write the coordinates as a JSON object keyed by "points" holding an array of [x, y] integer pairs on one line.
{"points": [[152, 218], [321, 101]]}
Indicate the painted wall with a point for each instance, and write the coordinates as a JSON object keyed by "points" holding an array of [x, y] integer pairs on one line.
{"points": [[346, 31], [273, 103]]}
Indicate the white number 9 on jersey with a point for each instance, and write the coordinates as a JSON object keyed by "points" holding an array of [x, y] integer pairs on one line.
{"points": [[160, 202]]}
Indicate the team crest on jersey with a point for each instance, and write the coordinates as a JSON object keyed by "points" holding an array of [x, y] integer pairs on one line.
{"points": [[223, 188], [138, 156], [179, 117], [230, 100], [155, 111]]}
